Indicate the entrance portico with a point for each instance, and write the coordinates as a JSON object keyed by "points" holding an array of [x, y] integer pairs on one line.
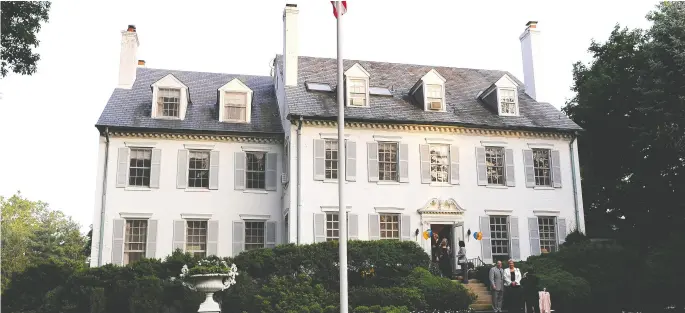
{"points": [[443, 212]]}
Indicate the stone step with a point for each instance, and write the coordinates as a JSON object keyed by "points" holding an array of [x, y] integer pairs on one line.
{"points": [[481, 307]]}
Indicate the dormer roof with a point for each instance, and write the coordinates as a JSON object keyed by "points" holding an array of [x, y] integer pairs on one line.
{"points": [[462, 86], [130, 109]]}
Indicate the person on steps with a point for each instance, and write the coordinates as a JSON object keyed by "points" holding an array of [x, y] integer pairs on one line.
{"points": [[445, 266], [461, 260], [497, 286]]}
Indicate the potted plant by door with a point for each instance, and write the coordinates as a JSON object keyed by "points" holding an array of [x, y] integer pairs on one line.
{"points": [[209, 275]]}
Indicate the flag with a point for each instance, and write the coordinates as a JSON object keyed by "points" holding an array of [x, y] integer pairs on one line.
{"points": [[335, 10]]}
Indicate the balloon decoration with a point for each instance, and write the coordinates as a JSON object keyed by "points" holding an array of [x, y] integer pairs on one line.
{"points": [[427, 234], [478, 235]]}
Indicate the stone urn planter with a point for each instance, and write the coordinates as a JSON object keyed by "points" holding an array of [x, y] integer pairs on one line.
{"points": [[209, 276]]}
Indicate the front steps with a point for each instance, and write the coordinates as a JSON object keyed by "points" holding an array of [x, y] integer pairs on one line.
{"points": [[484, 300]]}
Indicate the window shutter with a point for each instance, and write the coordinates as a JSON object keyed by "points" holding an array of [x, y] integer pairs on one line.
{"points": [[182, 169], [270, 234], [155, 167], [454, 165], [528, 168], [118, 242], [556, 169], [404, 162], [151, 247], [534, 234], [486, 245], [405, 226], [271, 182], [319, 159], [561, 230], [351, 160], [509, 161], [239, 171], [481, 167], [374, 227], [514, 235], [425, 154], [319, 227], [179, 239], [122, 167], [212, 237], [238, 237], [352, 226], [214, 170], [372, 152]]}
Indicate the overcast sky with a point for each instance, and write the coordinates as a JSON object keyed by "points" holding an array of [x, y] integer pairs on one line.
{"points": [[48, 142]]}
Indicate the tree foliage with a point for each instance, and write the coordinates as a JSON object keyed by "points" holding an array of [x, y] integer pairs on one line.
{"points": [[631, 101], [33, 233], [21, 21]]}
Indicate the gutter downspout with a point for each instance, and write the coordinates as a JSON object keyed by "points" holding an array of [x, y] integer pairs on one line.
{"points": [[299, 180], [573, 177], [104, 198]]}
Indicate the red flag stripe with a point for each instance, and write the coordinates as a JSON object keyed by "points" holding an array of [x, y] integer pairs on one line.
{"points": [[335, 10]]}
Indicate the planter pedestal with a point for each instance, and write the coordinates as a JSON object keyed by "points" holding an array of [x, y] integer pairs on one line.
{"points": [[209, 284]]}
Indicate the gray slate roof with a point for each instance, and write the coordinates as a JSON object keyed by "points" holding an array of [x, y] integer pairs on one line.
{"points": [[461, 88], [132, 108]]}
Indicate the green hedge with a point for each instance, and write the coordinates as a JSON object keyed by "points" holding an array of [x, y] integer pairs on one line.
{"points": [[384, 276]]}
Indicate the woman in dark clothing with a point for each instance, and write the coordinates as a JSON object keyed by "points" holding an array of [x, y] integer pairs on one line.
{"points": [[529, 282], [461, 260], [445, 266]]}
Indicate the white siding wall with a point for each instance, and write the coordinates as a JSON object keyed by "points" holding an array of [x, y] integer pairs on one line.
{"points": [[167, 203], [363, 196]]}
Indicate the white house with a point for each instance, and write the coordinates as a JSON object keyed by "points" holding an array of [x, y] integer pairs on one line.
{"points": [[218, 164]]}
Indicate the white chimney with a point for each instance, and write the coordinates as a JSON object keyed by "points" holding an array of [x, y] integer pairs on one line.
{"points": [[127, 59], [532, 63], [290, 44]]}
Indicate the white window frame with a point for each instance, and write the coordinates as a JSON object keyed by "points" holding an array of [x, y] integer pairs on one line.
{"points": [[503, 166], [126, 252], [554, 232], [235, 86], [248, 152], [500, 97], [492, 236], [337, 214], [209, 160], [225, 106], [206, 235], [169, 82], [245, 243], [446, 166], [430, 98], [548, 177], [328, 161], [399, 225], [397, 161], [131, 151]]}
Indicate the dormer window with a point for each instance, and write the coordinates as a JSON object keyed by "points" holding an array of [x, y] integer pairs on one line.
{"points": [[502, 96], [429, 92], [235, 106], [434, 97], [235, 100], [169, 102], [169, 98], [357, 90], [357, 86]]}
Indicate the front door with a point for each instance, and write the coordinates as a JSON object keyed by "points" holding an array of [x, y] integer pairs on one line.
{"points": [[457, 235]]}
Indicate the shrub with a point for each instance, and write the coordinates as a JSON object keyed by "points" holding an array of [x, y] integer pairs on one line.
{"points": [[290, 294], [380, 309], [412, 298], [440, 293]]}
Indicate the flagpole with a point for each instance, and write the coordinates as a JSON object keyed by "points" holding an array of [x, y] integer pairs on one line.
{"points": [[342, 208]]}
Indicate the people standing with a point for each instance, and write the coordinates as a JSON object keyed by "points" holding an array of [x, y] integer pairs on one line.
{"points": [[461, 260], [512, 280], [529, 283], [497, 286], [445, 266]]}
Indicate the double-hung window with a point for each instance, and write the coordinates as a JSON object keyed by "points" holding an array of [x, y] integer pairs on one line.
{"points": [[331, 158], [542, 167], [196, 238], [390, 226], [254, 235], [547, 226], [440, 163], [499, 232], [494, 160], [256, 170], [139, 167], [168, 102], [235, 106], [357, 92], [135, 240], [388, 161], [198, 169]]}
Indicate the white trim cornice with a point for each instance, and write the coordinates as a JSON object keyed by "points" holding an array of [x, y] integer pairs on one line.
{"points": [[499, 212], [265, 217], [134, 215], [540, 145], [546, 212], [493, 143], [388, 210], [334, 208], [140, 144], [386, 138], [196, 216], [255, 148], [198, 146]]}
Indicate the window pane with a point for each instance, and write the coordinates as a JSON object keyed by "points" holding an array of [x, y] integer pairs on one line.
{"points": [[508, 100], [439, 162], [254, 235], [331, 159], [196, 238], [499, 235], [389, 226], [139, 167], [256, 170], [168, 102], [494, 159], [198, 169], [548, 233], [387, 161], [235, 106], [541, 166], [135, 240]]}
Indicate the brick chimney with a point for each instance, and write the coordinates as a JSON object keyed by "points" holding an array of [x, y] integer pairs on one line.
{"points": [[127, 58], [290, 44], [532, 58]]}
